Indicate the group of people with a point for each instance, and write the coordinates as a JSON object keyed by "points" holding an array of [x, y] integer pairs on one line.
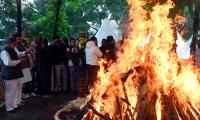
{"points": [[41, 67]]}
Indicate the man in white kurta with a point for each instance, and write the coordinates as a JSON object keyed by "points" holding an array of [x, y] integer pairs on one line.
{"points": [[12, 73]]}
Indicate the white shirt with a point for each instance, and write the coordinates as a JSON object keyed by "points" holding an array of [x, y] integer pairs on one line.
{"points": [[93, 53], [20, 54], [74, 50], [5, 57]]}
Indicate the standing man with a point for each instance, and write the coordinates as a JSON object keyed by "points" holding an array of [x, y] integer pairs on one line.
{"points": [[93, 54], [58, 60], [22, 50], [74, 63], [12, 73]]}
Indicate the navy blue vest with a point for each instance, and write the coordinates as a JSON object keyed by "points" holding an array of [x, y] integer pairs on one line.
{"points": [[15, 72]]}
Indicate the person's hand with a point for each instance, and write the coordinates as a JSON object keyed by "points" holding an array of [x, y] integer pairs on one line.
{"points": [[28, 51], [33, 49]]}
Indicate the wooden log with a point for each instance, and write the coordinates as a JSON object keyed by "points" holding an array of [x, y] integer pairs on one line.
{"points": [[168, 108], [181, 113], [119, 108], [195, 111], [88, 116], [140, 112], [125, 110], [84, 111], [190, 114], [104, 117], [179, 108], [151, 110]]}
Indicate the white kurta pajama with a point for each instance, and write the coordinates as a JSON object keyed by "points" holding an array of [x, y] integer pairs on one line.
{"points": [[12, 86]]}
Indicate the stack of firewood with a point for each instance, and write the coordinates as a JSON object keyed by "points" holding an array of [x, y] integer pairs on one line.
{"points": [[145, 109]]}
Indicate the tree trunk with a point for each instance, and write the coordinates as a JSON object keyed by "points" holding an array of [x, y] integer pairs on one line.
{"points": [[57, 13], [19, 17]]}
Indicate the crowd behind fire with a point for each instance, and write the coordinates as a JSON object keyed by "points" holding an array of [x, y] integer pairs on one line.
{"points": [[42, 68]]}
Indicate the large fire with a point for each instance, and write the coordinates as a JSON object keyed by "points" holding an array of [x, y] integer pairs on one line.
{"points": [[148, 81]]}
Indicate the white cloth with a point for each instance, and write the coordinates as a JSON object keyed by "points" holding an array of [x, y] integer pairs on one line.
{"points": [[11, 94], [20, 54], [31, 61], [109, 27], [26, 71], [27, 75], [18, 99], [93, 53], [6, 59], [183, 47]]}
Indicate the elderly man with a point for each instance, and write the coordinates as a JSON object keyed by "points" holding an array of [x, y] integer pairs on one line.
{"points": [[12, 73]]}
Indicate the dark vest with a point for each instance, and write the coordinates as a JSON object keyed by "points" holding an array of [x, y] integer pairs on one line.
{"points": [[15, 72]]}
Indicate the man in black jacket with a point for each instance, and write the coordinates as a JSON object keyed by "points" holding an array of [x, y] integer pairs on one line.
{"points": [[58, 55], [74, 63]]}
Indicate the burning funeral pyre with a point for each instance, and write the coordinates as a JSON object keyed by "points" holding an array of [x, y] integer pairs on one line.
{"points": [[155, 84]]}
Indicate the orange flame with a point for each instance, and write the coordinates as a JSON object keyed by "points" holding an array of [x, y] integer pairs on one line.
{"points": [[156, 71]]}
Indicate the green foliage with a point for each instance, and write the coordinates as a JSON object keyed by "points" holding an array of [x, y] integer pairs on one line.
{"points": [[92, 11], [7, 21], [41, 6], [74, 15], [118, 9], [74, 4], [44, 23], [29, 15]]}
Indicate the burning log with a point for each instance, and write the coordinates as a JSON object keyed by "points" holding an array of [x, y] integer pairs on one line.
{"points": [[84, 113], [145, 107], [119, 108], [168, 108], [104, 117], [194, 110], [88, 112]]}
